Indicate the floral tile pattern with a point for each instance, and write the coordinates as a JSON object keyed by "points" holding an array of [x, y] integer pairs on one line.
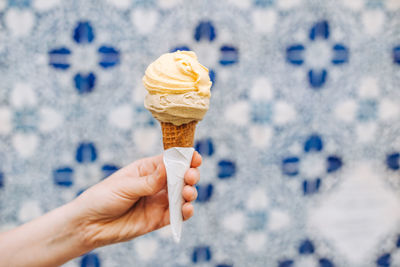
{"points": [[301, 145]]}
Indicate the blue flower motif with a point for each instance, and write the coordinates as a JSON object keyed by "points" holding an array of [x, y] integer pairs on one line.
{"points": [[385, 260], [286, 263], [84, 35], [109, 56], [1, 179], [86, 153], [319, 30], [63, 176], [90, 260], [58, 58], [108, 169], [206, 31], [84, 83], [226, 169], [393, 161], [201, 254], [291, 165], [229, 55], [181, 48], [204, 192], [311, 186], [294, 54], [340, 54], [313, 143], [306, 248], [323, 262], [396, 55], [334, 163], [317, 76], [212, 75], [205, 147]]}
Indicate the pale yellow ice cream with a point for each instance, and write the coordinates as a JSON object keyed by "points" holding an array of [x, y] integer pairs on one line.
{"points": [[179, 88]]}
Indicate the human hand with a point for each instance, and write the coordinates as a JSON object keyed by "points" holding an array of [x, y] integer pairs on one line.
{"points": [[132, 201]]}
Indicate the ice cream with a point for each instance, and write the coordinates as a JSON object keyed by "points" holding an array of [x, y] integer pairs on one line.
{"points": [[178, 97], [179, 88]]}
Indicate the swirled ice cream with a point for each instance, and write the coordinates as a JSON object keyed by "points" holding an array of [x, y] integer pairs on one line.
{"points": [[178, 88]]}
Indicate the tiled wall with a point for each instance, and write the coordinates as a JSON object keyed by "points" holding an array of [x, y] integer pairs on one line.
{"points": [[300, 146]]}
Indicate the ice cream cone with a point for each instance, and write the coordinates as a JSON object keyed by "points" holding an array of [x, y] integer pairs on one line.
{"points": [[178, 136], [178, 94]]}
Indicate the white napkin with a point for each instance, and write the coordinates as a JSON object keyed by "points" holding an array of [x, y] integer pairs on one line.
{"points": [[177, 161]]}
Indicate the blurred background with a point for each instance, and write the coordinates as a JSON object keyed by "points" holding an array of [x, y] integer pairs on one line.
{"points": [[300, 146]]}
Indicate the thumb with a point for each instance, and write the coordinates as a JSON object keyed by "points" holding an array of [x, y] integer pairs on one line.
{"points": [[150, 184]]}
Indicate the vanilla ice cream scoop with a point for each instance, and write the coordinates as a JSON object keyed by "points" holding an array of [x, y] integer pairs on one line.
{"points": [[179, 88]]}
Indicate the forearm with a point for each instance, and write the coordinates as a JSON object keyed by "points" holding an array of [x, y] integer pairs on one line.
{"points": [[50, 240]]}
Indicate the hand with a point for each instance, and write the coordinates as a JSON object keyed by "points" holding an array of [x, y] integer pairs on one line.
{"points": [[133, 201]]}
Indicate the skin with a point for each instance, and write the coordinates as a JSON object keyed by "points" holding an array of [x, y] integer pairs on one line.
{"points": [[131, 202]]}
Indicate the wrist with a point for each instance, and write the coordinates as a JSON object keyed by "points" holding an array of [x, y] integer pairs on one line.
{"points": [[78, 226], [66, 240]]}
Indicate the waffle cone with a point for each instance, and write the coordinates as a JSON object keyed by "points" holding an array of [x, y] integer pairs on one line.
{"points": [[178, 136]]}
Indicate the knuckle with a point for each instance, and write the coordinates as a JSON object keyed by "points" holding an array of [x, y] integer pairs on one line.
{"points": [[150, 184]]}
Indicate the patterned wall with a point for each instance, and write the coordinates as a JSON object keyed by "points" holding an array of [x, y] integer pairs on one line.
{"points": [[301, 145]]}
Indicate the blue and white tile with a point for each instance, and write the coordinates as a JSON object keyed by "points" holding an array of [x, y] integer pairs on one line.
{"points": [[300, 145]]}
